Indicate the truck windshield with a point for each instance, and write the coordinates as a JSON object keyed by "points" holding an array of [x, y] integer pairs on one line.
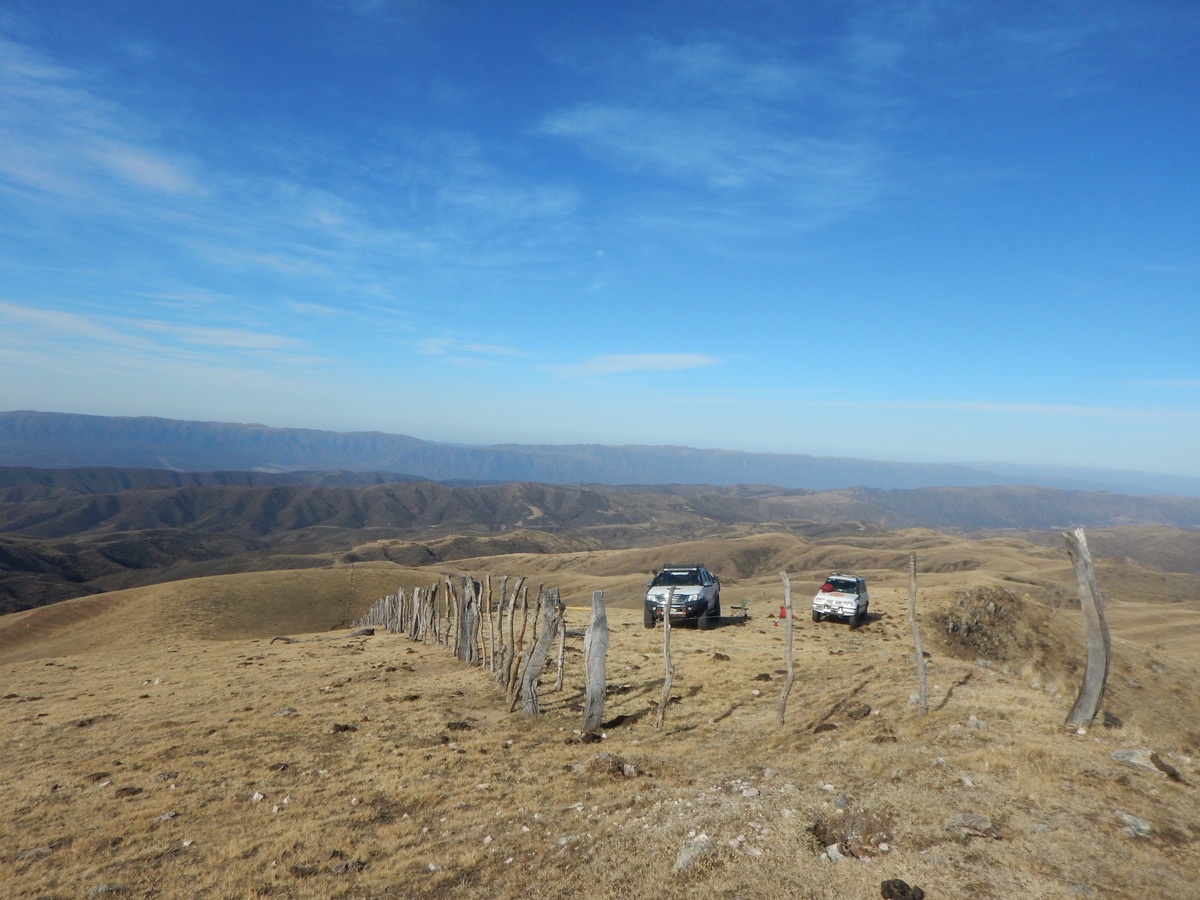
{"points": [[666, 579]]}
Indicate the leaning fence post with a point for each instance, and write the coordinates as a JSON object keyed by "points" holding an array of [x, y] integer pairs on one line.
{"points": [[922, 698], [595, 648], [541, 650], [1095, 673], [787, 646]]}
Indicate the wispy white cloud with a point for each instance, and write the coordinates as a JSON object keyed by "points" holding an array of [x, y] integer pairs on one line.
{"points": [[1039, 410], [226, 338], [316, 310], [61, 326], [728, 127], [141, 167], [622, 364], [56, 334], [717, 69], [60, 137], [712, 148], [467, 354]]}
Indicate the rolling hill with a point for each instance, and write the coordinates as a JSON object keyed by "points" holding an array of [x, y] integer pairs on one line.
{"points": [[158, 741]]}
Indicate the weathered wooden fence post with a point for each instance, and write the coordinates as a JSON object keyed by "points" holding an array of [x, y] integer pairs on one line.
{"points": [[541, 650], [468, 614], [1095, 673], [414, 612], [518, 653], [787, 646], [668, 666], [452, 602], [595, 649], [560, 674], [393, 615], [488, 643], [508, 637], [922, 697], [498, 650]]}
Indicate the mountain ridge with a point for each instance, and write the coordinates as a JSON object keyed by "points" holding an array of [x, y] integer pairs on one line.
{"points": [[70, 440]]}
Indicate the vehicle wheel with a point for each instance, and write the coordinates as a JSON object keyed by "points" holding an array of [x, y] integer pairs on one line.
{"points": [[648, 618], [816, 616], [856, 619]]}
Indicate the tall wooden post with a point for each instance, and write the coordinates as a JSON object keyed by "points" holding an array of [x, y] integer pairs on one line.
{"points": [[488, 643], [922, 697], [518, 654], [508, 637], [1099, 645], [668, 666], [595, 649], [561, 673], [787, 646], [468, 614]]}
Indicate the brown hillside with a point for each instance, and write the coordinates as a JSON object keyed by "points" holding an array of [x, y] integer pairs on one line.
{"points": [[156, 743]]}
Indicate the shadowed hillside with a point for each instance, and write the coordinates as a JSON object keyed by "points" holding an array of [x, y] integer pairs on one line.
{"points": [[70, 532]]}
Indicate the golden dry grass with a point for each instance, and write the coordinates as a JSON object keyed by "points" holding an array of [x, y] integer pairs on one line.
{"points": [[144, 747]]}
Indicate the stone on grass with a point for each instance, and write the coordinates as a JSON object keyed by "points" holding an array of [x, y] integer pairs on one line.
{"points": [[1134, 826], [898, 889], [967, 825], [689, 853], [1136, 759]]}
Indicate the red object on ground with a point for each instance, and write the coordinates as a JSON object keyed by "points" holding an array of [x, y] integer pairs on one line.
{"points": [[783, 612]]}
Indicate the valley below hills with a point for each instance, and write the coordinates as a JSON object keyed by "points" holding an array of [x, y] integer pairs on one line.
{"points": [[71, 532]]}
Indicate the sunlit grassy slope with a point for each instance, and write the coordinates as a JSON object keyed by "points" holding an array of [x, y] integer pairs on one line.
{"points": [[157, 743]]}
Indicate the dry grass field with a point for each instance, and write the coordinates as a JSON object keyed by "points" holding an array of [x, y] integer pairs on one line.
{"points": [[157, 743]]}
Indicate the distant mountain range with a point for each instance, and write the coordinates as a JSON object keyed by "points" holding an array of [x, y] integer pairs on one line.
{"points": [[66, 440]]}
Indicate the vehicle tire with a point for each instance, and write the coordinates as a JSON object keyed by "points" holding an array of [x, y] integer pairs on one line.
{"points": [[647, 618], [816, 616], [856, 619]]}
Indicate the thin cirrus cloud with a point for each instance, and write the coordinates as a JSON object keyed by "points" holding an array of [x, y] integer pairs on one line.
{"points": [[734, 126], [227, 338], [64, 143], [59, 332], [623, 364], [704, 146], [60, 137]]}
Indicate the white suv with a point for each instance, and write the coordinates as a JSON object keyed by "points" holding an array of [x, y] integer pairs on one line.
{"points": [[844, 597], [695, 594]]}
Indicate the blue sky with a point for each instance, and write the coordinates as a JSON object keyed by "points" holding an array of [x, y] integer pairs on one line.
{"points": [[927, 231]]}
